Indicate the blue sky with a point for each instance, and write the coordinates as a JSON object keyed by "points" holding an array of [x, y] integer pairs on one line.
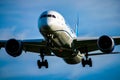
{"points": [[18, 19]]}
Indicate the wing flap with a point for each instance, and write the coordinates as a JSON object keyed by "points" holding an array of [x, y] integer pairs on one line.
{"points": [[95, 54], [90, 43], [2, 43], [81, 44], [117, 40], [33, 45], [36, 46]]}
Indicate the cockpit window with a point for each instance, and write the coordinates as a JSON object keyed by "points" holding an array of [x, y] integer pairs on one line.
{"points": [[49, 15]]}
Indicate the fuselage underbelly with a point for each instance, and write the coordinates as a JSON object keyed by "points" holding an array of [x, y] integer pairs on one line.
{"points": [[59, 37]]}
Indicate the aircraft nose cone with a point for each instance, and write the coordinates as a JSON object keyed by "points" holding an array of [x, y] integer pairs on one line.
{"points": [[45, 24], [46, 21]]}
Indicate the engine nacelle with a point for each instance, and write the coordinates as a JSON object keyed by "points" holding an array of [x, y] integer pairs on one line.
{"points": [[106, 44], [13, 47]]}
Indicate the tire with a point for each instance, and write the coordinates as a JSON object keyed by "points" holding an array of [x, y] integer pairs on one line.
{"points": [[90, 62], [39, 64], [83, 62], [46, 63]]}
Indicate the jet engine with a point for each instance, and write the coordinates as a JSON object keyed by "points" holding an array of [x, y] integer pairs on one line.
{"points": [[106, 44], [13, 47]]}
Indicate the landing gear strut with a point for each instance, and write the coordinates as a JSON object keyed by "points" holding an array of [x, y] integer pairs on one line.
{"points": [[49, 40], [43, 62], [86, 61]]}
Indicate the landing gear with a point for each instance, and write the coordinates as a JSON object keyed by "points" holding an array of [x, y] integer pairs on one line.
{"points": [[86, 61], [49, 40], [43, 62], [50, 43]]}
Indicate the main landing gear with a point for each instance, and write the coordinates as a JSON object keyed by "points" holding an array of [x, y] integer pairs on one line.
{"points": [[43, 62], [86, 61]]}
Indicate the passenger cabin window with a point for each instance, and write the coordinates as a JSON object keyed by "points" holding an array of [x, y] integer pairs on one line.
{"points": [[49, 15]]}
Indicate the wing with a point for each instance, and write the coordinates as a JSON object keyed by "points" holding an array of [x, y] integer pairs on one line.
{"points": [[90, 43], [33, 45]]}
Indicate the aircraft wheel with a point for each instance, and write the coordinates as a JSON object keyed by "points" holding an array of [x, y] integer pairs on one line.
{"points": [[83, 62], [39, 64], [46, 63], [90, 62]]}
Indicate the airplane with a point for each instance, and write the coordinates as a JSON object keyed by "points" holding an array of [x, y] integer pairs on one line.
{"points": [[61, 41]]}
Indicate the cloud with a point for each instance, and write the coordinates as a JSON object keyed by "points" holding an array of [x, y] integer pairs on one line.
{"points": [[7, 33], [20, 21], [10, 32]]}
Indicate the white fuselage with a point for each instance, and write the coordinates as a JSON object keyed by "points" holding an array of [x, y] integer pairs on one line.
{"points": [[55, 31]]}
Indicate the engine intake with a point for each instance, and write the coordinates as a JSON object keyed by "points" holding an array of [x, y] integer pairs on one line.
{"points": [[13, 47], [106, 44]]}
